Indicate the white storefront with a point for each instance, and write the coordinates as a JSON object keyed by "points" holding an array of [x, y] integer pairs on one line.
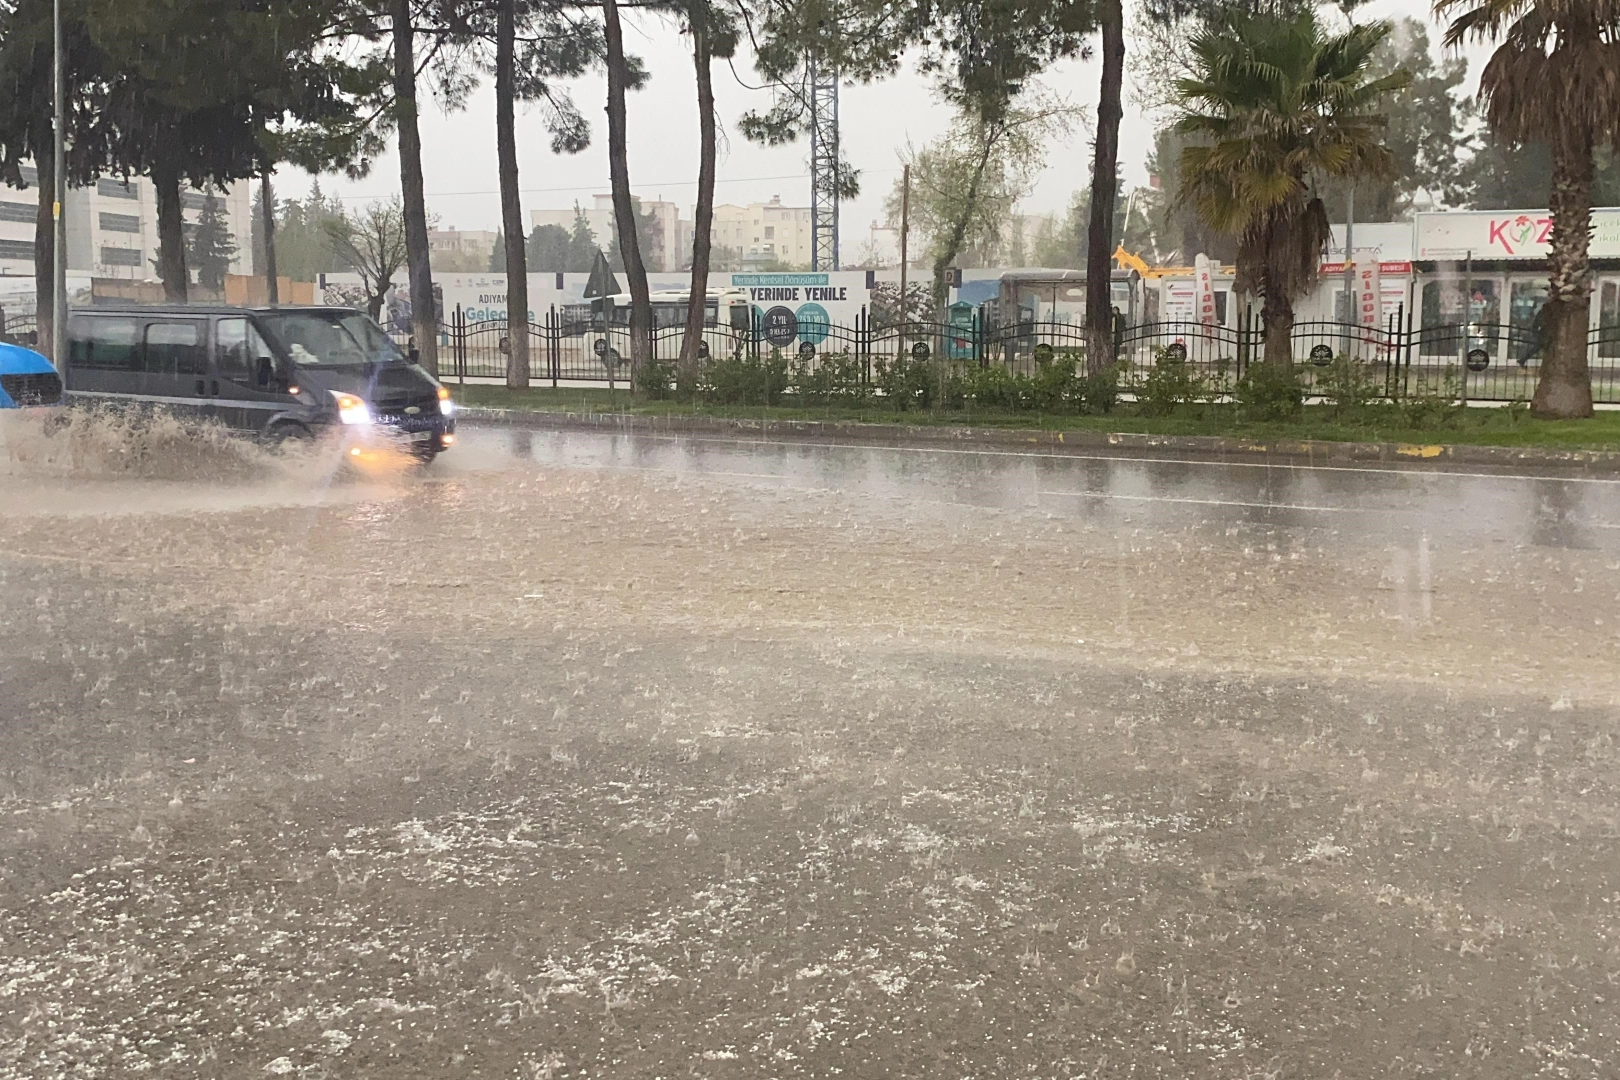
{"points": [[1422, 269], [1502, 257]]}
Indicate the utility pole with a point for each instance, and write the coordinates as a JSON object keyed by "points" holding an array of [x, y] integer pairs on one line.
{"points": [[1350, 254], [905, 228], [59, 241]]}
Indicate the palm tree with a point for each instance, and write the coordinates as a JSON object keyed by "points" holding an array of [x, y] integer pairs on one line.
{"points": [[1276, 104], [1555, 79]]}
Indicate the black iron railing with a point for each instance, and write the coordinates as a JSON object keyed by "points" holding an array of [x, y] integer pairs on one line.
{"points": [[1396, 358]]}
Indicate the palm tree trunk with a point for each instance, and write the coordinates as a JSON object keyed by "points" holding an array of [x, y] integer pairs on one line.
{"points": [[1564, 389], [1104, 192], [45, 256], [1277, 325], [171, 234], [267, 205], [424, 314], [624, 211], [517, 270], [703, 216]]}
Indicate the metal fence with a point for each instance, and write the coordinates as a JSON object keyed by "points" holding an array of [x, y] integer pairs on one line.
{"points": [[18, 328], [1474, 362], [1478, 362]]}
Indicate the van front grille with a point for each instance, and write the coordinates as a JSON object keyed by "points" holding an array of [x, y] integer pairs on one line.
{"points": [[426, 416], [42, 388]]}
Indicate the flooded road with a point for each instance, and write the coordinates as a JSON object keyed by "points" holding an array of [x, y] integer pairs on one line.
{"points": [[582, 755]]}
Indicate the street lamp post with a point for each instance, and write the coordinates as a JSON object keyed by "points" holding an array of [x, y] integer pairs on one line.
{"points": [[59, 241]]}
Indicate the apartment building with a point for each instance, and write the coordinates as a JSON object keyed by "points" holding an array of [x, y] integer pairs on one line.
{"points": [[112, 227], [763, 233], [454, 241]]}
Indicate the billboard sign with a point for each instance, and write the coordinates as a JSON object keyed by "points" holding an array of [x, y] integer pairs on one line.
{"points": [[794, 307], [1505, 234]]}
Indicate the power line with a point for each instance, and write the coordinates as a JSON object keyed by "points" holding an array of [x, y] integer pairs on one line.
{"points": [[598, 187]]}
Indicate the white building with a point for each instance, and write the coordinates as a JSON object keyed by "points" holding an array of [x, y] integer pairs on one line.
{"points": [[751, 237], [599, 215], [112, 227], [763, 233]]}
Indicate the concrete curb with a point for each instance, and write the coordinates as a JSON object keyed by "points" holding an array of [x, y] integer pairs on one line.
{"points": [[1309, 451]]}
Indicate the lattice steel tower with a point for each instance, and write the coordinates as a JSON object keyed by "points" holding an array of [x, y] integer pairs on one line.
{"points": [[824, 179]]}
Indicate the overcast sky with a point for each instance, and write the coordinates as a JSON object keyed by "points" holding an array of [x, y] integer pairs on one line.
{"points": [[877, 122]]}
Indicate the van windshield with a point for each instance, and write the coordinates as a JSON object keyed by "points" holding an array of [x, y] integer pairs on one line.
{"points": [[333, 338]]}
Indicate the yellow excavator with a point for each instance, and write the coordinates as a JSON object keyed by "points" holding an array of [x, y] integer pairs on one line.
{"points": [[1126, 261]]}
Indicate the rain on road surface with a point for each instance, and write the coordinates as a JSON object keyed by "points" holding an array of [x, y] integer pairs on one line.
{"points": [[590, 755]]}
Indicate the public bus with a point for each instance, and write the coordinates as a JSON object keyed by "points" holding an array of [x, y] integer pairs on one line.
{"points": [[727, 324]]}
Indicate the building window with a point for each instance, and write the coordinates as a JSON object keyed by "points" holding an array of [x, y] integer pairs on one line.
{"points": [[115, 189], [18, 211], [193, 200], [113, 256], [770, 232], [17, 249], [125, 223]]}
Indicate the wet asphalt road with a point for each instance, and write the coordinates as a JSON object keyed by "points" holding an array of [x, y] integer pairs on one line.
{"points": [[582, 755], [1572, 510]]}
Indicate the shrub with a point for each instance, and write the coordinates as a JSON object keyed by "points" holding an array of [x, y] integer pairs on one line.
{"points": [[1096, 392], [1170, 382], [831, 377], [1269, 392], [905, 383], [1348, 386], [656, 379], [996, 387], [747, 380], [1055, 386], [1432, 402]]}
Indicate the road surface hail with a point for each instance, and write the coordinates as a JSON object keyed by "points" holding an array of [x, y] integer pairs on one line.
{"points": [[590, 756]]}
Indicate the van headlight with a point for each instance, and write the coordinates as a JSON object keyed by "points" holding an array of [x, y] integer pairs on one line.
{"points": [[446, 406], [351, 410]]}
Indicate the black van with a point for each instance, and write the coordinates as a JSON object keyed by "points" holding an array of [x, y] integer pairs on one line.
{"points": [[278, 373]]}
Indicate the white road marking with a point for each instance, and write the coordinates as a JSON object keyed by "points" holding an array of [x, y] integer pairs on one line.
{"points": [[1218, 502]]}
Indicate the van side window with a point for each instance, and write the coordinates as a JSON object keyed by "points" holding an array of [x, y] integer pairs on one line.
{"points": [[175, 348], [240, 348], [105, 344]]}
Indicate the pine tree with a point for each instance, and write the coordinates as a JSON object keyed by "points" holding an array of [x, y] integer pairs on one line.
{"points": [[210, 247], [582, 247]]}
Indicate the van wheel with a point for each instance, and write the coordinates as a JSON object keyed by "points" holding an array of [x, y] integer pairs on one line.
{"points": [[288, 431]]}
